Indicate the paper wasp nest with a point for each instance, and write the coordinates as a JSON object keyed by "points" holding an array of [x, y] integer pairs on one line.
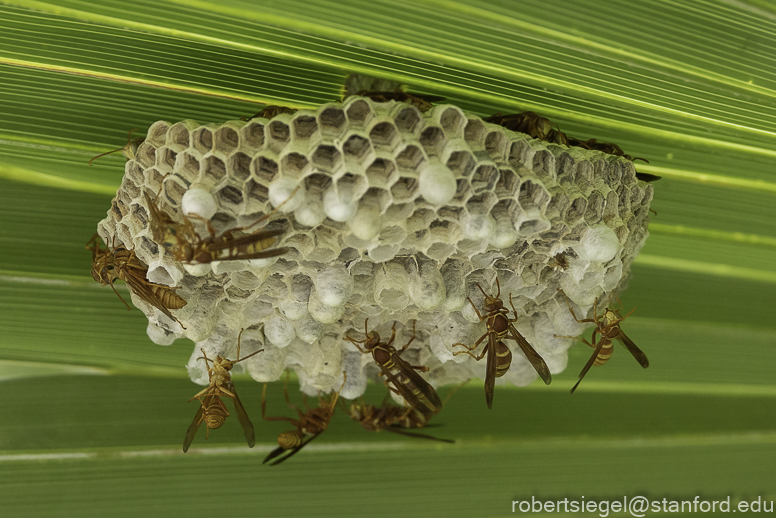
{"points": [[398, 216]]}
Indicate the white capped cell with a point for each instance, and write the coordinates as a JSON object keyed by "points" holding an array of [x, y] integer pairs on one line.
{"points": [[437, 183], [310, 213], [200, 202], [284, 196], [598, 243], [367, 223], [333, 285], [339, 205], [323, 313], [279, 331]]}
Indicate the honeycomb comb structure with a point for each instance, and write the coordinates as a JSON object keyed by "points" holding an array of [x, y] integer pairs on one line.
{"points": [[398, 215]]}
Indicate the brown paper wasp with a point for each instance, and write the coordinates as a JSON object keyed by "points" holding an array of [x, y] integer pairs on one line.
{"points": [[270, 112], [309, 425], [608, 326], [187, 246], [501, 328], [401, 377], [530, 123], [120, 263], [391, 418], [212, 409], [420, 101], [129, 150]]}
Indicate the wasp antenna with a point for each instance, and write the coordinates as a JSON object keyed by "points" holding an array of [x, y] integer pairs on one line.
{"points": [[103, 154]]}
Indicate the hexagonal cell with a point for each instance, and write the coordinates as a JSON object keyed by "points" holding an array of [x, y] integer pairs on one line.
{"points": [[544, 164], [533, 195], [354, 184], [222, 221], [174, 189], [461, 163], [452, 121], [134, 172], [317, 182], [623, 201], [404, 189], [497, 146], [521, 154], [622, 233], [507, 184], [202, 140], [294, 165], [153, 179], [146, 154], [230, 197], [399, 211], [118, 209], [462, 193], [558, 205], [433, 140], [213, 170], [420, 219], [226, 140], [377, 196], [359, 112], [304, 126], [357, 148], [410, 158], [585, 176], [636, 195], [256, 193], [611, 175], [132, 190], [484, 178], [278, 134], [264, 169], [253, 135], [384, 135], [408, 120], [595, 208], [505, 209], [165, 158], [382, 173], [239, 166], [332, 120], [138, 217], [610, 207], [327, 158], [157, 133], [187, 165], [474, 131], [179, 136]]}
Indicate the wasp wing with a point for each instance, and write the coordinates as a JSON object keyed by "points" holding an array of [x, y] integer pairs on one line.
{"points": [[490, 370], [226, 248], [424, 398], [281, 455], [242, 416], [140, 286], [635, 351], [194, 426], [646, 177], [591, 361], [402, 431], [536, 361]]}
